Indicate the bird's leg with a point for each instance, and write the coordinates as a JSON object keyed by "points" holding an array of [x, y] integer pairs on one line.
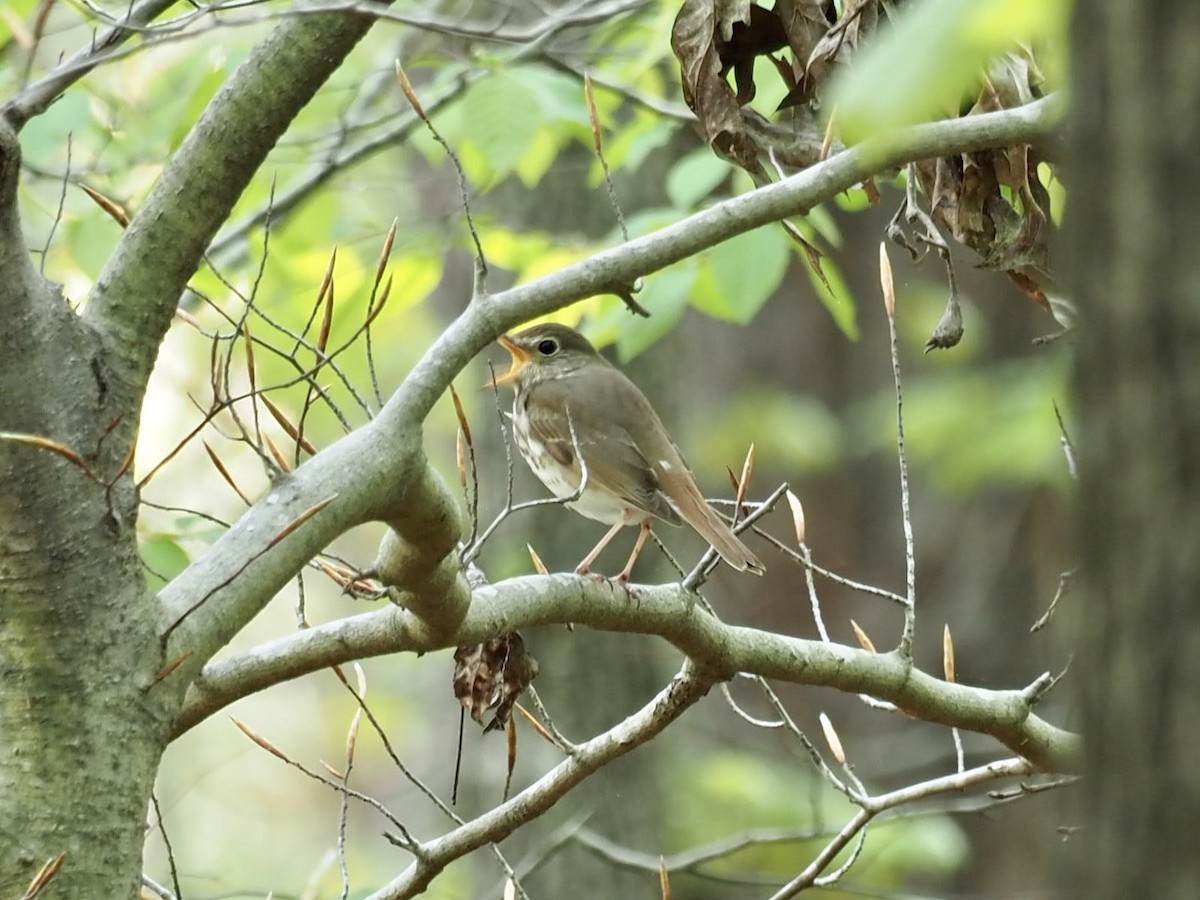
{"points": [[643, 533], [586, 566]]}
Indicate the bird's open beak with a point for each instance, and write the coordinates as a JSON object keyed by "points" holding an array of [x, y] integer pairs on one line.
{"points": [[520, 359]]}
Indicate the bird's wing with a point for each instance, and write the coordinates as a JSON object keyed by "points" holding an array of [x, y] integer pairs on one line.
{"points": [[614, 461]]}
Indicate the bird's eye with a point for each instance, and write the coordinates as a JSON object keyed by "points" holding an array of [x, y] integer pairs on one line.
{"points": [[547, 347]]}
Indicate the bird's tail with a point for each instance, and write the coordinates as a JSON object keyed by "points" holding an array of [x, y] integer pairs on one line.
{"points": [[713, 529]]}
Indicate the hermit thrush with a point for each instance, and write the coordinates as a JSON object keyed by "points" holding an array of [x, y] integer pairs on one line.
{"points": [[578, 418]]}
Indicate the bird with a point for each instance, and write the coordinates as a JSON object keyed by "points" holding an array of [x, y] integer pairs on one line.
{"points": [[576, 417]]}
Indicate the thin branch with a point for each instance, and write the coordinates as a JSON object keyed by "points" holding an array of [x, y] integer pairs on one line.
{"points": [[202, 181], [162, 830], [36, 98], [910, 556], [379, 471], [688, 686], [872, 806]]}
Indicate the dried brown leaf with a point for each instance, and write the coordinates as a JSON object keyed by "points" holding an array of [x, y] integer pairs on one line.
{"points": [[111, 207], [300, 520], [259, 739], [697, 46], [862, 638], [947, 653], [797, 515], [491, 675], [538, 565], [871, 189], [664, 881], [831, 738], [220, 467], [44, 876], [886, 282], [286, 424]]}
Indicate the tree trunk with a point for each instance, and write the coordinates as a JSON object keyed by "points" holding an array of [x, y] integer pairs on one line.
{"points": [[1134, 228], [89, 689], [76, 621]]}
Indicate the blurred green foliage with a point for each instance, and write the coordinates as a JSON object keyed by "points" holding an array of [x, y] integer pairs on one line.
{"points": [[730, 793], [935, 55], [513, 124]]}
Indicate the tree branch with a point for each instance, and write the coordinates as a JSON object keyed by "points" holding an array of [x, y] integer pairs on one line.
{"points": [[373, 471], [21, 287], [687, 687], [610, 270], [134, 298], [35, 98], [667, 611]]}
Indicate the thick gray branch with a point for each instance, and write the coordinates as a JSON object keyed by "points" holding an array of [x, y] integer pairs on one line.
{"points": [[667, 611], [373, 471], [135, 296]]}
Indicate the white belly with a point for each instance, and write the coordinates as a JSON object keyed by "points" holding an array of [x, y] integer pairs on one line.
{"points": [[563, 482]]}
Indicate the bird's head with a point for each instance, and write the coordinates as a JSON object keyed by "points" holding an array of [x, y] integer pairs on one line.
{"points": [[545, 351]]}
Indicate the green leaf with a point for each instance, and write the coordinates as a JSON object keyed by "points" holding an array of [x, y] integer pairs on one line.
{"points": [[541, 153], [164, 559], [839, 302], [795, 431], [501, 116], [823, 224], [559, 97], [629, 147], [922, 67], [743, 273], [694, 177], [665, 294]]}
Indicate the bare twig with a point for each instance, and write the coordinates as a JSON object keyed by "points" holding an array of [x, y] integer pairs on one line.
{"points": [[480, 260], [910, 558]]}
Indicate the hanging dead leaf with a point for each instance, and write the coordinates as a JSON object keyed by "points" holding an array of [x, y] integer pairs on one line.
{"points": [[491, 675], [697, 45]]}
